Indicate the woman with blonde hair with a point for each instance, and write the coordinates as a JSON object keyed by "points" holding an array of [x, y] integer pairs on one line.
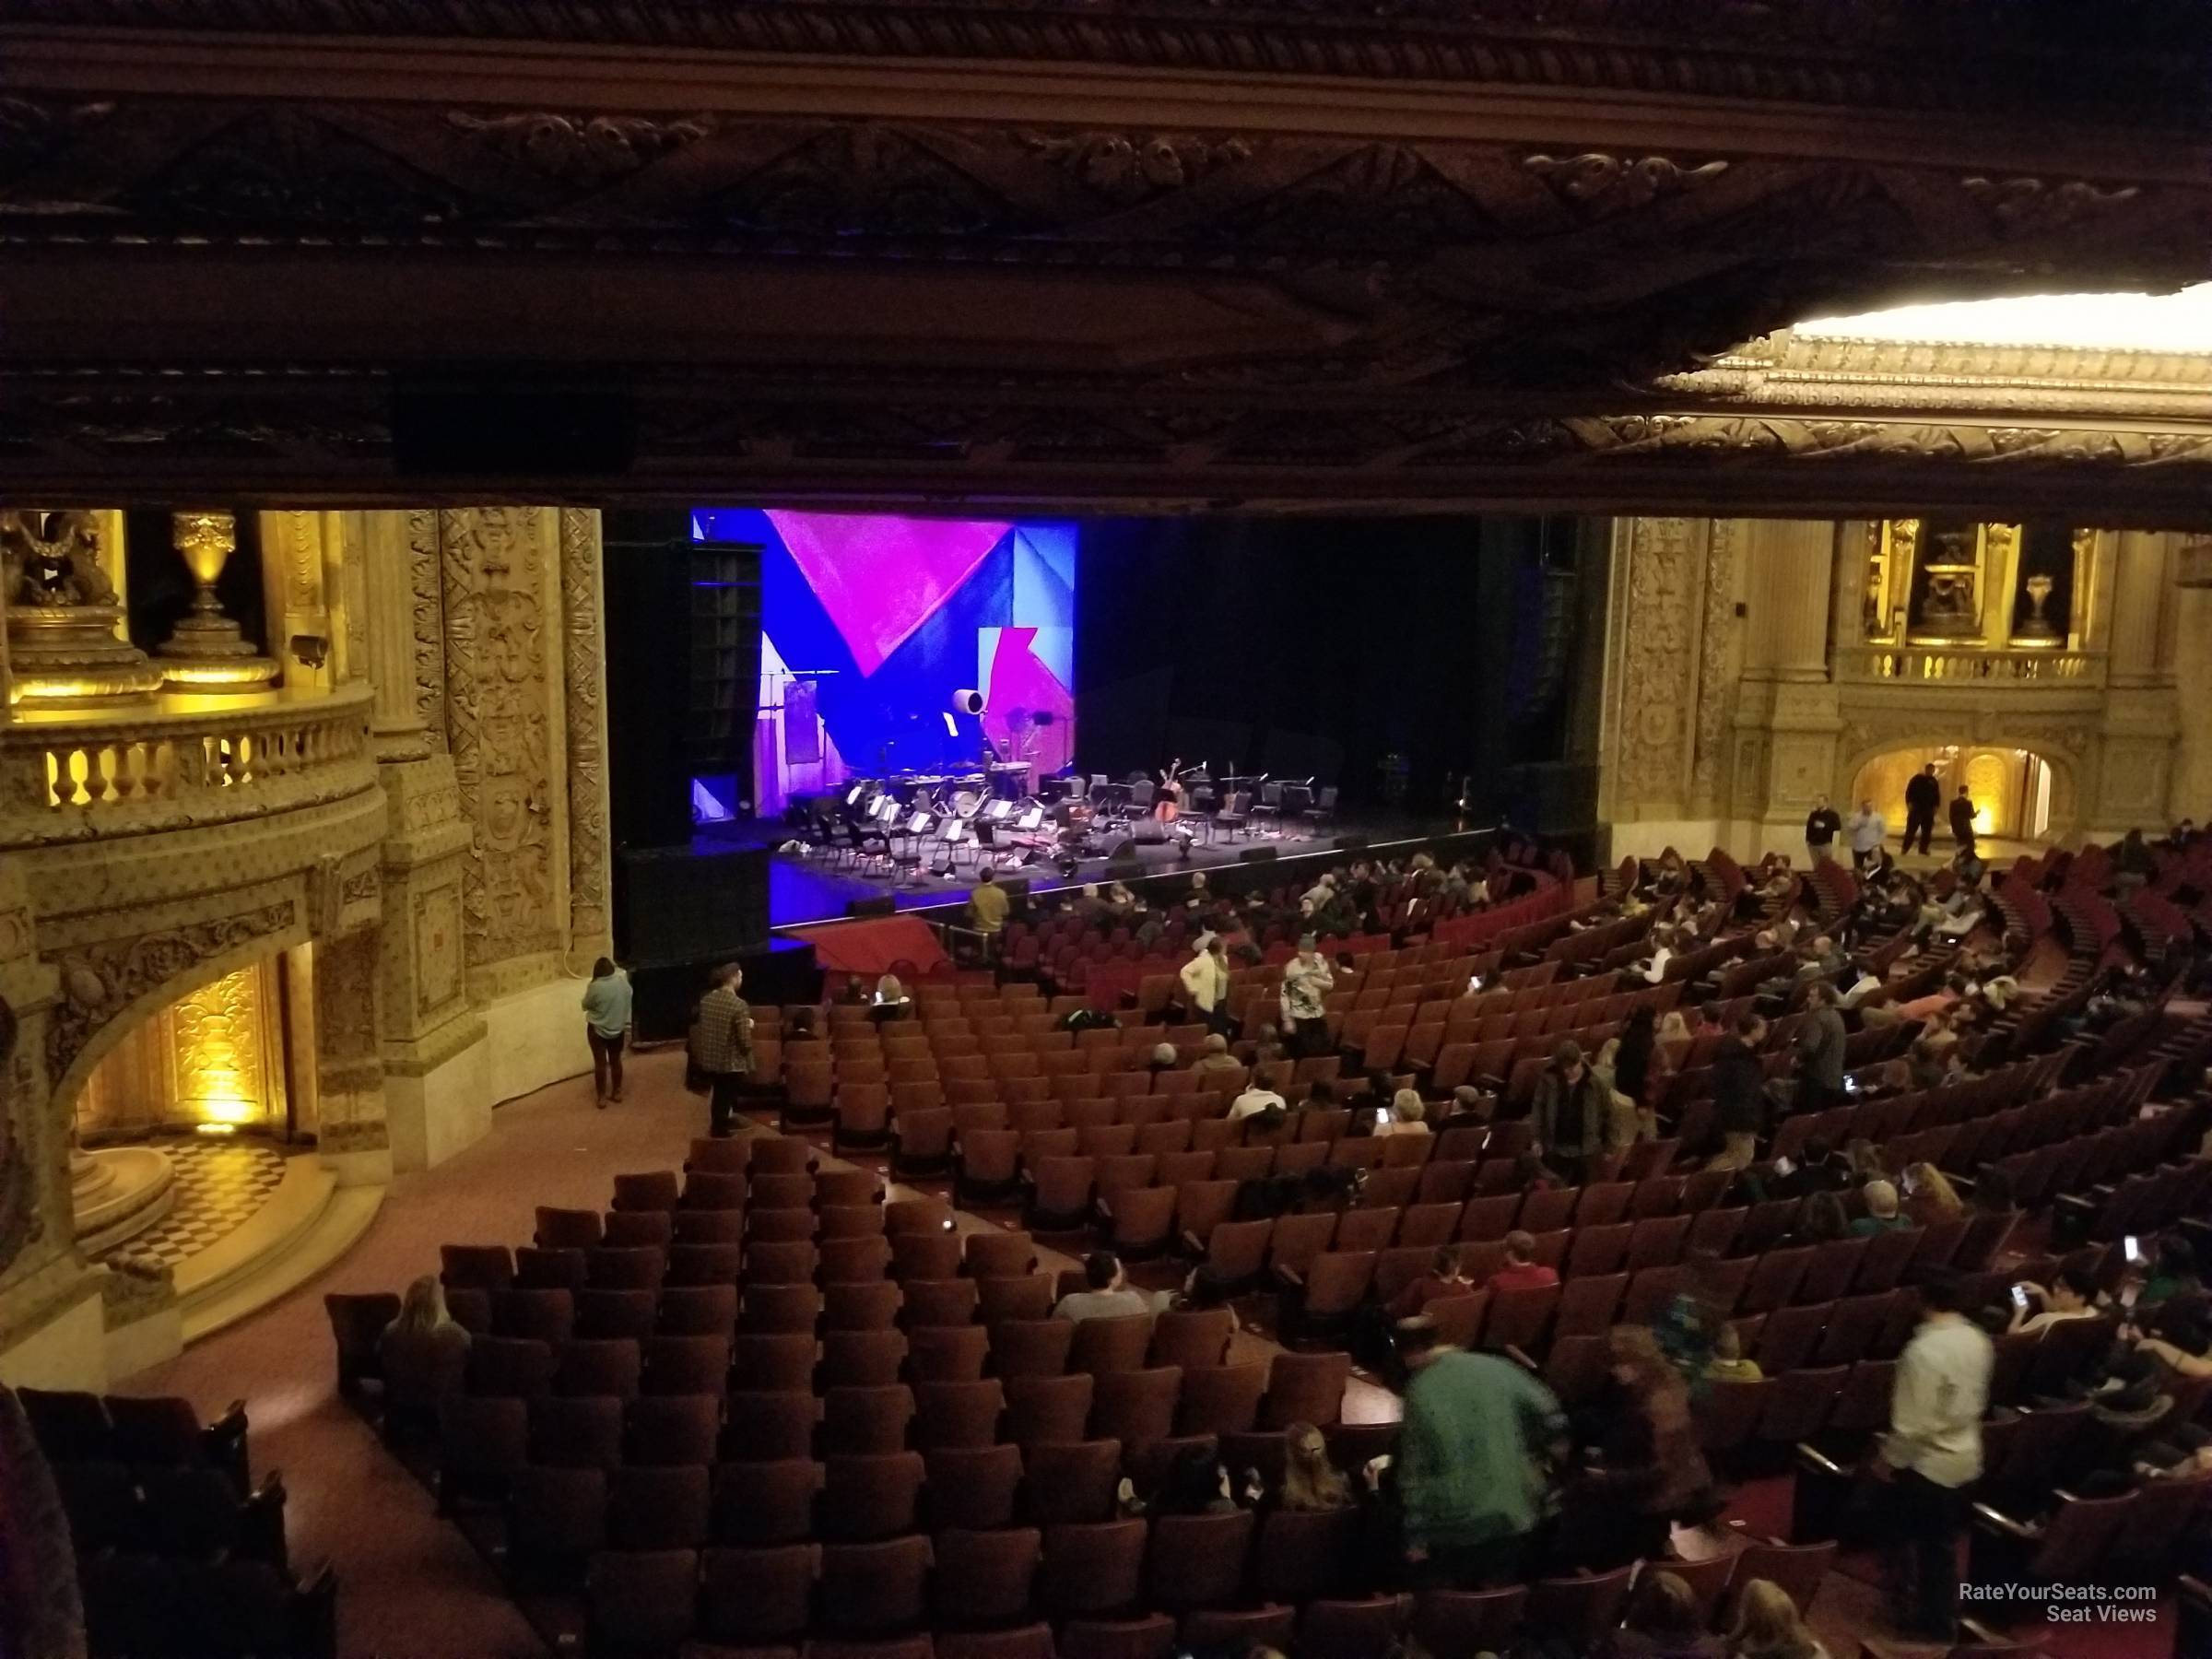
{"points": [[425, 1352], [1930, 1197], [1768, 1626], [1407, 1114], [1310, 1481]]}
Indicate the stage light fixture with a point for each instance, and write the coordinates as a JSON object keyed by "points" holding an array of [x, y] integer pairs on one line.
{"points": [[968, 702]]}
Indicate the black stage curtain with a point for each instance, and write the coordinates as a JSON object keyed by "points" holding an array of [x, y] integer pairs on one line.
{"points": [[1326, 647]]}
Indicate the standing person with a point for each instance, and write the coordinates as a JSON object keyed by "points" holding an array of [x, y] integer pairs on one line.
{"points": [[606, 1027], [1923, 796], [722, 1046], [1573, 1104], [1652, 1471], [1962, 819], [988, 902], [1205, 984], [1820, 1052], [1740, 1093], [1471, 1461], [1822, 825], [1866, 832], [1306, 982], [1933, 1449]]}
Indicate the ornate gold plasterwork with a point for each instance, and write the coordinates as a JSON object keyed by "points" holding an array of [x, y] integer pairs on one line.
{"points": [[18, 1207], [1658, 622], [436, 923], [584, 668], [426, 607], [101, 982], [499, 725], [1710, 726]]}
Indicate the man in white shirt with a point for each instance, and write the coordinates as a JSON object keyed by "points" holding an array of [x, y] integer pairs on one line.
{"points": [[1306, 982], [1867, 832], [1109, 1295], [1257, 1099], [1205, 983], [1934, 1448]]}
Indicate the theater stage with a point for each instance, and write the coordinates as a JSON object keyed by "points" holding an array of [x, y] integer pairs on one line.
{"points": [[809, 890]]}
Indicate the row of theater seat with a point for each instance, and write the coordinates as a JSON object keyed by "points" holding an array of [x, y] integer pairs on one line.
{"points": [[177, 1551]]}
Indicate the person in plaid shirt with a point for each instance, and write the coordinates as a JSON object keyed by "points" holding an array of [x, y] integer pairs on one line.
{"points": [[722, 1046]]}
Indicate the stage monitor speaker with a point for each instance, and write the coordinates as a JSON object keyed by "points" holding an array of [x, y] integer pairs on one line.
{"points": [[1350, 843], [1256, 855], [1149, 832], [1125, 852], [672, 905], [885, 906]]}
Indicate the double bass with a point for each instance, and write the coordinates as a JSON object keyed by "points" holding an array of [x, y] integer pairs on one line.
{"points": [[1166, 804]]}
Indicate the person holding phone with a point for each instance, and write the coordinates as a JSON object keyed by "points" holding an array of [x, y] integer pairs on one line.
{"points": [[1404, 1116], [2071, 1295]]}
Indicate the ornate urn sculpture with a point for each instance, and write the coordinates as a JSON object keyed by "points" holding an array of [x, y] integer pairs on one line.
{"points": [[62, 616], [208, 651], [2037, 628]]}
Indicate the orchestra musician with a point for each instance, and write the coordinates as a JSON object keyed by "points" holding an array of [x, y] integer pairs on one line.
{"points": [[1166, 804]]}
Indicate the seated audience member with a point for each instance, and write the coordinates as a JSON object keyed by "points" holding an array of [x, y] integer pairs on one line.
{"points": [[1469, 1108], [1522, 1270], [1266, 1046], [1881, 1215], [1662, 1622], [424, 1351], [2071, 1295], [2172, 1273], [1406, 1114], [1444, 1278], [1768, 1626], [1257, 1098], [1214, 1057], [1819, 1172], [1688, 1328], [1109, 1295], [1163, 1059], [1929, 1196], [1728, 1364], [1203, 1291], [1864, 1160], [1931, 1064], [799, 1028], [1310, 1481], [1823, 1220], [1196, 1483]]}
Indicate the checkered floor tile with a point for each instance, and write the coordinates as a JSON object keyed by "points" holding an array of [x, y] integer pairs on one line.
{"points": [[219, 1185]]}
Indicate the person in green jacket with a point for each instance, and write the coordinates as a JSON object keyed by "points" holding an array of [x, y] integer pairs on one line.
{"points": [[1472, 1455]]}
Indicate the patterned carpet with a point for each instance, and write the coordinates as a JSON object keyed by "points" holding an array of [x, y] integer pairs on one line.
{"points": [[219, 1185]]}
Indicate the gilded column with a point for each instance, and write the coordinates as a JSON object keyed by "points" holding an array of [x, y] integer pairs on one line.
{"points": [[1786, 717], [1793, 575], [584, 669], [2190, 792], [405, 632], [2143, 729], [294, 600], [2139, 579]]}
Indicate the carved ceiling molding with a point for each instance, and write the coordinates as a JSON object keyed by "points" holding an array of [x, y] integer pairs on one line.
{"points": [[1790, 370], [883, 437], [2041, 55]]}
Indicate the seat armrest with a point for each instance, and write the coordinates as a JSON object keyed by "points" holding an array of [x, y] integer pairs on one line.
{"points": [[1520, 1359], [1819, 1463], [1997, 1521]]}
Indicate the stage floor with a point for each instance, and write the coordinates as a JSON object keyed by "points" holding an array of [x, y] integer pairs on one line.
{"points": [[803, 890]]}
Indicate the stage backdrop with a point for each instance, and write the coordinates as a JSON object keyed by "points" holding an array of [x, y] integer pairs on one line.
{"points": [[870, 624]]}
